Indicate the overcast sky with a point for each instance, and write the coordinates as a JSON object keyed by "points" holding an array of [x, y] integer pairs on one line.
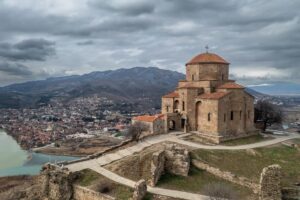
{"points": [[40, 39]]}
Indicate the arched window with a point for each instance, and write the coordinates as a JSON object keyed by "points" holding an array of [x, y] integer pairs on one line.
{"points": [[167, 108], [231, 115], [208, 117], [224, 117], [248, 114], [176, 104], [193, 78], [222, 77], [183, 106], [240, 114]]}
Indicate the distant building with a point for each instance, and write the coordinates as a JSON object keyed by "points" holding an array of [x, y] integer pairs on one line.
{"points": [[207, 103], [155, 123]]}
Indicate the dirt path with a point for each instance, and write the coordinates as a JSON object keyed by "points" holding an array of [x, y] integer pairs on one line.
{"points": [[97, 163]]}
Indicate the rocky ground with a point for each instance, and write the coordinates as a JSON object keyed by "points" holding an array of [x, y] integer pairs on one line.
{"points": [[19, 188]]}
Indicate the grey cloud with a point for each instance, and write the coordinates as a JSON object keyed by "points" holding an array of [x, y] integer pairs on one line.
{"points": [[31, 49], [15, 69], [166, 33], [111, 26], [131, 8], [85, 43]]}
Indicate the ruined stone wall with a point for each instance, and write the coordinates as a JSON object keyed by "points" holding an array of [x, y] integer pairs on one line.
{"points": [[82, 193], [174, 160], [269, 187], [56, 183], [270, 183], [157, 167], [177, 160], [227, 176], [140, 190]]}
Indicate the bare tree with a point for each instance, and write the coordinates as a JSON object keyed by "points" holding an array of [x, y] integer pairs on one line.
{"points": [[220, 191], [267, 113], [136, 129]]}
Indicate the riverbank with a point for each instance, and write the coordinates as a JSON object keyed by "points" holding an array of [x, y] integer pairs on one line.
{"points": [[15, 161], [80, 146], [15, 136]]}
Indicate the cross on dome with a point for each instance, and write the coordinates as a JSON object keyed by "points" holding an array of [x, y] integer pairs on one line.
{"points": [[206, 47]]}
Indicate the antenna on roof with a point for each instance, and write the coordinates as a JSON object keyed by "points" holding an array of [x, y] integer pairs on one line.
{"points": [[206, 47]]}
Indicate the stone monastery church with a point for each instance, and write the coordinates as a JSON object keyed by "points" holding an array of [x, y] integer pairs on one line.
{"points": [[206, 103]]}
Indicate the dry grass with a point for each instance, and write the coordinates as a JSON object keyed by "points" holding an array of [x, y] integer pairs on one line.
{"points": [[137, 166], [99, 183], [250, 163]]}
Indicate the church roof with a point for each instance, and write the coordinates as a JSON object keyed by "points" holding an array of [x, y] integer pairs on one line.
{"points": [[231, 85], [148, 118], [171, 95], [206, 58], [215, 95]]}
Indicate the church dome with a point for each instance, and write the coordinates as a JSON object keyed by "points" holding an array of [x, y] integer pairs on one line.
{"points": [[207, 58]]}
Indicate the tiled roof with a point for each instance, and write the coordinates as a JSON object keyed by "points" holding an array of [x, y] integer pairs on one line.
{"points": [[171, 95], [215, 95], [231, 85], [148, 118], [207, 58]]}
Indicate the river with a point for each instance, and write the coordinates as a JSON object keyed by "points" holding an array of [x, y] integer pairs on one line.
{"points": [[16, 161]]}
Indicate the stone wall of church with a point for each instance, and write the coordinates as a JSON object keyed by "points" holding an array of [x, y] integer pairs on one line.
{"points": [[167, 105], [206, 125], [235, 114], [196, 72]]}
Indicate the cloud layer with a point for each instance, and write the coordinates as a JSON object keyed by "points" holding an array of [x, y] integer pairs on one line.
{"points": [[53, 38]]}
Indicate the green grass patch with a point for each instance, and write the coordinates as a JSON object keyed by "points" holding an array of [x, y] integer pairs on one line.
{"points": [[247, 140], [249, 163], [87, 177], [97, 182], [196, 182]]}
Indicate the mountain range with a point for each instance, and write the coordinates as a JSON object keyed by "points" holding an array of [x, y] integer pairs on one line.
{"points": [[142, 85], [128, 85]]}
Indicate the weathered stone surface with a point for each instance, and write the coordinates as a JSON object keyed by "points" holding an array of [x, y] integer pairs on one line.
{"points": [[140, 190], [56, 183], [157, 166], [291, 193], [270, 183], [177, 160]]}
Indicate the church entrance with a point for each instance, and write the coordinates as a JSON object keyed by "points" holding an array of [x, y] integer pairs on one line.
{"points": [[182, 123], [172, 125], [197, 117]]}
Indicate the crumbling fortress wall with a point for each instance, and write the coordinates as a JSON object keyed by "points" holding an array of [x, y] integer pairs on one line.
{"points": [[174, 160], [269, 187], [58, 184], [270, 183]]}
